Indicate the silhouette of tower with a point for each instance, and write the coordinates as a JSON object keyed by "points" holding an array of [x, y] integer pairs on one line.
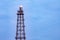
{"points": [[20, 30]]}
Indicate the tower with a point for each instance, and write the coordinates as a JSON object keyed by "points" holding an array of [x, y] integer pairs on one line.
{"points": [[20, 29]]}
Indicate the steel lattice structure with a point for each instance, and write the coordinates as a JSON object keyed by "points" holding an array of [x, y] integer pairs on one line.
{"points": [[20, 30]]}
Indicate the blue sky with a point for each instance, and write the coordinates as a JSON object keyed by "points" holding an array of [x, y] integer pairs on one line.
{"points": [[42, 19]]}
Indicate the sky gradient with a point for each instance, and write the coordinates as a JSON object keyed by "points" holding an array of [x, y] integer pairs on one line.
{"points": [[42, 19]]}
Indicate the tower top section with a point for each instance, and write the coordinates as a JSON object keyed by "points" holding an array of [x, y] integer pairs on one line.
{"points": [[21, 8], [20, 11]]}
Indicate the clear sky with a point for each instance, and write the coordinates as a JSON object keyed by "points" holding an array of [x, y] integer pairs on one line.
{"points": [[42, 19]]}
